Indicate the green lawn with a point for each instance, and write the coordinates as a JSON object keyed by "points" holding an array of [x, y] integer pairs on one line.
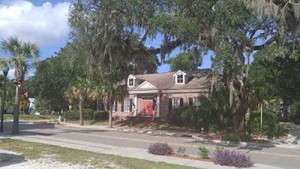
{"points": [[32, 150], [91, 122], [32, 117], [54, 117]]}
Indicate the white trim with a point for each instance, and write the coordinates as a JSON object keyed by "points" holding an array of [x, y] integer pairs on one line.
{"points": [[136, 105], [129, 78], [143, 91], [125, 108], [157, 106], [179, 72], [185, 91], [146, 82], [170, 91]]}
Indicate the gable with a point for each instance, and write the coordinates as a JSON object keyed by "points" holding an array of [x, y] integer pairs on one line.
{"points": [[131, 77], [146, 85], [179, 72]]}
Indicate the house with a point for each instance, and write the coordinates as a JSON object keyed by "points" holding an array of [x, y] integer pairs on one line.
{"points": [[154, 95], [31, 106]]}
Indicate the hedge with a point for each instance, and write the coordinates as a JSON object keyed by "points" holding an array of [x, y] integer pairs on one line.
{"points": [[271, 126], [88, 114]]}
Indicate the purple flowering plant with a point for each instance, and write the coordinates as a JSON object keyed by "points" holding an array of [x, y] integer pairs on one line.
{"points": [[232, 158], [160, 149]]}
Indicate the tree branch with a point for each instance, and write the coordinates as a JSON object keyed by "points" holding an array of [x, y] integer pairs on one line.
{"points": [[170, 46], [267, 43]]}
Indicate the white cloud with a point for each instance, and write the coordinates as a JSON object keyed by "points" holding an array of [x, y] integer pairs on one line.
{"points": [[11, 74], [44, 25]]}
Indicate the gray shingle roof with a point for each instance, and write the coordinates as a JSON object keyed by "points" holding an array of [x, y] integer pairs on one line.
{"points": [[197, 79]]}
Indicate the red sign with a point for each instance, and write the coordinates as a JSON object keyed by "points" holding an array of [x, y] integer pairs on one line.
{"points": [[26, 94]]}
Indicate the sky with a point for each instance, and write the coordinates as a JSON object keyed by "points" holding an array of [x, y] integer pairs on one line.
{"points": [[44, 22]]}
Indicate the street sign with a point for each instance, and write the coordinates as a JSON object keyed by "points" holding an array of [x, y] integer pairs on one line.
{"points": [[22, 102]]}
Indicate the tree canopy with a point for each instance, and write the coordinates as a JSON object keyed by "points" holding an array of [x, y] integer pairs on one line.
{"points": [[109, 37]]}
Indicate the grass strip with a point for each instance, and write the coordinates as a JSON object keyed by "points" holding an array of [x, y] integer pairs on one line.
{"points": [[32, 150]]}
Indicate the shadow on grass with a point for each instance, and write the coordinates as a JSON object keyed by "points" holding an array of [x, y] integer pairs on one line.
{"points": [[27, 128], [7, 159]]}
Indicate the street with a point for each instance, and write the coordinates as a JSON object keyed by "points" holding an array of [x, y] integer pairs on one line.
{"points": [[282, 156]]}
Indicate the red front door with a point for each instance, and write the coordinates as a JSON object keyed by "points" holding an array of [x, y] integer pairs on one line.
{"points": [[147, 108]]}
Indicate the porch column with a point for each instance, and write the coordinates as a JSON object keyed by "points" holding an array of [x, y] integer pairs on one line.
{"points": [[157, 105], [136, 105]]}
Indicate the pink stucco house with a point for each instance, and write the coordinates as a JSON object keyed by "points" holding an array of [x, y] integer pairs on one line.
{"points": [[154, 95]]}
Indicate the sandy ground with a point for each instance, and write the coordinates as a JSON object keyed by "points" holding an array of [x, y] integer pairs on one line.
{"points": [[11, 160]]}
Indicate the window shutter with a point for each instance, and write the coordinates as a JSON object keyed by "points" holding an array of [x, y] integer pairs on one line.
{"points": [[122, 106], [170, 104], [190, 101], [116, 106], [130, 107], [181, 102]]}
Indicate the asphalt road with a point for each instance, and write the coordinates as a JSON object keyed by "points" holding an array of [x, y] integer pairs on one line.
{"points": [[283, 156]]}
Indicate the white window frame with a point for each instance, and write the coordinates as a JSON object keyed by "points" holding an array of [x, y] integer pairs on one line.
{"points": [[115, 107], [127, 105], [180, 79], [196, 101], [131, 82], [175, 102]]}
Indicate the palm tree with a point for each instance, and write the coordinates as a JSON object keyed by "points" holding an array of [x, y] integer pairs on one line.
{"points": [[69, 94], [21, 55], [80, 90]]}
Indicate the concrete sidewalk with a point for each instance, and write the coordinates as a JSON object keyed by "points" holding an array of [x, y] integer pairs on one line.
{"points": [[122, 151]]}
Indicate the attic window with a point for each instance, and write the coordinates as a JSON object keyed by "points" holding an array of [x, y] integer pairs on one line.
{"points": [[131, 82], [180, 79]]}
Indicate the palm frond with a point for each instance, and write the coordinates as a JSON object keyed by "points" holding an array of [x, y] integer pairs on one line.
{"points": [[31, 50], [22, 54], [4, 63]]}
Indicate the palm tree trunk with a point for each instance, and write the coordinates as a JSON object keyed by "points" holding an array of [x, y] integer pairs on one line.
{"points": [[15, 127], [80, 110]]}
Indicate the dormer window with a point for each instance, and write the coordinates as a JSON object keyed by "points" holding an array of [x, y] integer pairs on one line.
{"points": [[131, 82], [180, 79]]}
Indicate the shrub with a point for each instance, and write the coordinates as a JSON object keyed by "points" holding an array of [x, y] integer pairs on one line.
{"points": [[235, 137], [181, 151], [197, 117], [203, 152], [232, 158], [100, 115], [160, 149], [218, 150], [174, 116], [294, 114], [271, 126], [87, 114], [72, 115]]}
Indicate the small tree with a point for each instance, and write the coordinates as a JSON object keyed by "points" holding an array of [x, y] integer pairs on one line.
{"points": [[80, 90]]}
